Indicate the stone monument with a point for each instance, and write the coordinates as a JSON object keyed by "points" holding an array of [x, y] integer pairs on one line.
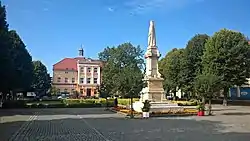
{"points": [[154, 91]]}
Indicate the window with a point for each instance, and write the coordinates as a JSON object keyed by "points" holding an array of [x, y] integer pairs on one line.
{"points": [[66, 72], [95, 70], [66, 80], [89, 69], [59, 79], [88, 80], [73, 80], [95, 80], [81, 80], [88, 92], [82, 69], [65, 90], [81, 91], [72, 90], [58, 90]]}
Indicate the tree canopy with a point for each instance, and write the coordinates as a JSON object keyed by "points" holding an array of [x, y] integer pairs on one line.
{"points": [[22, 63], [122, 72], [170, 67], [41, 81], [16, 63], [191, 62], [227, 55], [5, 52]]}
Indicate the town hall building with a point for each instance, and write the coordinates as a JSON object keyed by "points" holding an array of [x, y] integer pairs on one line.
{"points": [[79, 74]]}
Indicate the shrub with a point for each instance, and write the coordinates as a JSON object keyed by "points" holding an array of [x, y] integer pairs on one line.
{"points": [[14, 104], [201, 107], [40, 105], [126, 101], [84, 105], [146, 106], [186, 103], [88, 102]]}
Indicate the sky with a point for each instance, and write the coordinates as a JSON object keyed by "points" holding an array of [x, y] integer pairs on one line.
{"points": [[55, 29]]}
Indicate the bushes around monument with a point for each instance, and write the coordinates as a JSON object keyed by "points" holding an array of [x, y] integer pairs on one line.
{"points": [[77, 103], [185, 112]]}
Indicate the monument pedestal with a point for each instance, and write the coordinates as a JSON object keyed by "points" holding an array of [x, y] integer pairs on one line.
{"points": [[158, 107], [154, 92]]}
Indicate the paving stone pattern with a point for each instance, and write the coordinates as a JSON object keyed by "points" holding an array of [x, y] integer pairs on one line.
{"points": [[61, 130], [90, 125]]}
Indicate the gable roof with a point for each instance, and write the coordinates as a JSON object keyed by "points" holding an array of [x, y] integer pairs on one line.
{"points": [[67, 64]]}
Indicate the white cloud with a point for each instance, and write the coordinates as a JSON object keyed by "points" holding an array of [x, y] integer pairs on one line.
{"points": [[45, 9], [110, 9], [142, 6]]}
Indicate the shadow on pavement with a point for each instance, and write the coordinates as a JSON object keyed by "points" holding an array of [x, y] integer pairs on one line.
{"points": [[236, 113], [224, 109], [120, 129]]}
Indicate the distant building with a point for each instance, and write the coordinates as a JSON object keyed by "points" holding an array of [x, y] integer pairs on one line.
{"points": [[77, 74]]}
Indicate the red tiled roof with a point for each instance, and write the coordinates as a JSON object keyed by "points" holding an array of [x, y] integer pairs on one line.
{"points": [[67, 64]]}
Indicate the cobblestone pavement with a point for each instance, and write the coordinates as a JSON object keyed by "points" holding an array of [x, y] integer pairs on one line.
{"points": [[229, 124]]}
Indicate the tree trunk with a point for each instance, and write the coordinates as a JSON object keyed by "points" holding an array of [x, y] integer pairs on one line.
{"points": [[13, 94], [4, 96], [106, 103], [209, 106], [203, 100], [225, 93], [131, 109], [174, 95]]}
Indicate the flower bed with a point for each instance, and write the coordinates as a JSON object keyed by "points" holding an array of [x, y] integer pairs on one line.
{"points": [[186, 112], [185, 103]]}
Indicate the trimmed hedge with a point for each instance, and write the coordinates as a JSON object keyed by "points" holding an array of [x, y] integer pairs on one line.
{"points": [[41, 105], [89, 102], [126, 101], [14, 104], [191, 102]]}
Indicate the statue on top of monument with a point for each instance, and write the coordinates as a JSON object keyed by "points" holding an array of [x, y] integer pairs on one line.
{"points": [[151, 35]]}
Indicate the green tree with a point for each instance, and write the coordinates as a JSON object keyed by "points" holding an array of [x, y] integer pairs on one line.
{"points": [[122, 71], [53, 90], [41, 79], [227, 55], [131, 81], [22, 63], [170, 68], [207, 86], [5, 56], [192, 62], [104, 92]]}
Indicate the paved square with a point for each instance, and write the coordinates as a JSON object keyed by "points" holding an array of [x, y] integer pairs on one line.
{"points": [[95, 124]]}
